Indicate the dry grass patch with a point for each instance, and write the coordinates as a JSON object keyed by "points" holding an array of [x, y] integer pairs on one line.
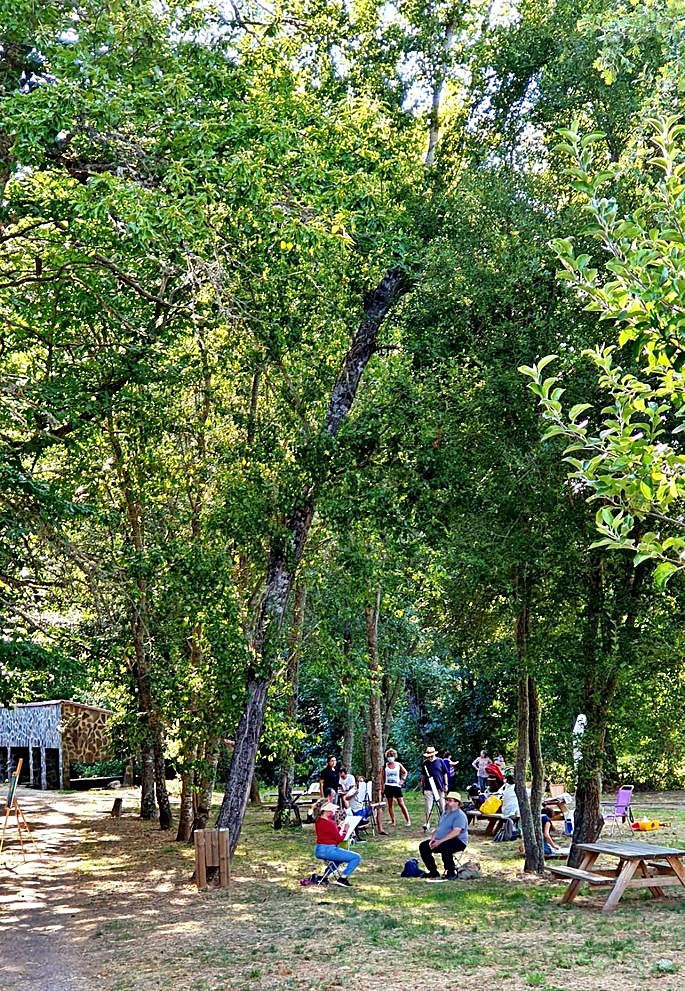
{"points": [[135, 920]]}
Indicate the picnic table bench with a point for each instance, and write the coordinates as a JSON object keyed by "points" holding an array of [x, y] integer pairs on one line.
{"points": [[656, 867], [493, 820]]}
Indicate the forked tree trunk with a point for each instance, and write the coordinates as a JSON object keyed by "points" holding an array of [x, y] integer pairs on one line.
{"points": [[148, 805], [285, 556]]}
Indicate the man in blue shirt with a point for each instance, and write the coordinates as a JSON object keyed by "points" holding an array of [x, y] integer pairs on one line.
{"points": [[449, 837]]}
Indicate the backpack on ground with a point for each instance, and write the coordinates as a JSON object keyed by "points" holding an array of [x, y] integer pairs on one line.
{"points": [[469, 871], [412, 869], [507, 832]]}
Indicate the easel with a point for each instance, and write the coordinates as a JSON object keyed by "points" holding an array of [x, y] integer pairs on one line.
{"points": [[12, 809]]}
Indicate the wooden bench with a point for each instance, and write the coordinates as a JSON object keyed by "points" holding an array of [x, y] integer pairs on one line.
{"points": [[576, 874]]}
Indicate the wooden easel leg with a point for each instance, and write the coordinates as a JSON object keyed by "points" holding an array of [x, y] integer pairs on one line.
{"points": [[28, 831], [4, 827]]}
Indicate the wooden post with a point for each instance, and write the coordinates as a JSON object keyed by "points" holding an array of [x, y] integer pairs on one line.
{"points": [[212, 850], [116, 808]]}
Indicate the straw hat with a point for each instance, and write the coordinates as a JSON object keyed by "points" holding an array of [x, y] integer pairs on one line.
{"points": [[454, 795]]}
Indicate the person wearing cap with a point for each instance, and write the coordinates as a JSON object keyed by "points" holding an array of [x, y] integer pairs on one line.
{"points": [[450, 836], [433, 769], [328, 840]]}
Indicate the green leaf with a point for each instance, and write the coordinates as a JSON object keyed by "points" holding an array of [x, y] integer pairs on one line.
{"points": [[663, 572]]}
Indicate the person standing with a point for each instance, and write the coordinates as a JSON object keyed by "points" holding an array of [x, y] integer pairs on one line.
{"points": [[433, 784], [449, 837], [330, 776], [480, 764], [450, 770], [394, 776]]}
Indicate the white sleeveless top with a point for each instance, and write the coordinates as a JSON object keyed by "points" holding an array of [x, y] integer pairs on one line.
{"points": [[392, 775]]}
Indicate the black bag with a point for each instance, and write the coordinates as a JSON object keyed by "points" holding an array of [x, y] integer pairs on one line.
{"points": [[412, 869]]}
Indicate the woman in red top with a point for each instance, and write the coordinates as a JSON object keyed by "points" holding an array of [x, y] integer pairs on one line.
{"points": [[328, 838]]}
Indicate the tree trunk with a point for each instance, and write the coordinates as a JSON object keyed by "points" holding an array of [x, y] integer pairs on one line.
{"points": [[348, 738], [391, 689], [528, 732], [375, 722], [292, 678], [417, 708], [286, 554], [148, 805], [185, 816], [587, 818], [205, 786], [537, 770], [255, 797], [247, 735], [162, 795], [436, 95]]}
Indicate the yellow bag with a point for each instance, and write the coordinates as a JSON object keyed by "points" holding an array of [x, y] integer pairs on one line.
{"points": [[491, 805]]}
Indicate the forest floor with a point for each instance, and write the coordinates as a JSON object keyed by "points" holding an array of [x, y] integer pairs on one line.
{"points": [[112, 906]]}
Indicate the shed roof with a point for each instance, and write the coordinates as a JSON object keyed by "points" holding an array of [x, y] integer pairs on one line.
{"points": [[78, 705]]}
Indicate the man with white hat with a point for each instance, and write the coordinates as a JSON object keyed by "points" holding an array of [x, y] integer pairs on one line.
{"points": [[449, 837], [433, 784]]}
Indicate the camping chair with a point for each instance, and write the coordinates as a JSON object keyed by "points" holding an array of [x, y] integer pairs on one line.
{"points": [[331, 872], [621, 812]]}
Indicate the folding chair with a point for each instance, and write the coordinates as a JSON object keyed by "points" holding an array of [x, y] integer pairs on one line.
{"points": [[621, 812], [331, 872]]}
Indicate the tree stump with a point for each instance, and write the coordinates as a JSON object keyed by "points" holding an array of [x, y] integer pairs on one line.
{"points": [[212, 858], [116, 808]]}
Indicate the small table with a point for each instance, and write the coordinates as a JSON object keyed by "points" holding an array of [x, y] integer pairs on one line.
{"points": [[640, 865]]}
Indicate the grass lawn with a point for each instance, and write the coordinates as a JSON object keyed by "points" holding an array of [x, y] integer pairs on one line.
{"points": [[138, 923]]}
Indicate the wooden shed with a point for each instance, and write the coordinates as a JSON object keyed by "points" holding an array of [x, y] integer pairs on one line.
{"points": [[49, 736]]}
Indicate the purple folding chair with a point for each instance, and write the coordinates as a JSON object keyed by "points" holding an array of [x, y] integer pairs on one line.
{"points": [[621, 812]]}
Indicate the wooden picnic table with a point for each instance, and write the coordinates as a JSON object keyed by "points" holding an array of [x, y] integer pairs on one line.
{"points": [[493, 820], [640, 865]]}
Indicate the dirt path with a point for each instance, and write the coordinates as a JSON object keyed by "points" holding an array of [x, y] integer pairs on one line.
{"points": [[39, 900]]}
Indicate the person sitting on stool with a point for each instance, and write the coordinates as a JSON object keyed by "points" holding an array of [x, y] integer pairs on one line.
{"points": [[328, 839], [449, 837]]}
